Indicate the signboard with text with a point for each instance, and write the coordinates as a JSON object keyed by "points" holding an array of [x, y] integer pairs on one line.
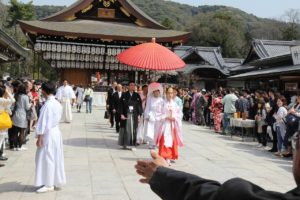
{"points": [[296, 55]]}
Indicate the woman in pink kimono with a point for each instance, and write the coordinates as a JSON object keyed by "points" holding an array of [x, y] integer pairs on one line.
{"points": [[217, 109], [169, 136]]}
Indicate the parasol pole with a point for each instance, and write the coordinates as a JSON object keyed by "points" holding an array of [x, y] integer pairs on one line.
{"points": [[166, 80]]}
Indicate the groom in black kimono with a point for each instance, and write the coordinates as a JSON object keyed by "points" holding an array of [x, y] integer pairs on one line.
{"points": [[170, 184], [131, 111]]}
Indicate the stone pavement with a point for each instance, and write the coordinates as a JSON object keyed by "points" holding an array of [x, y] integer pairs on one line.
{"points": [[97, 169]]}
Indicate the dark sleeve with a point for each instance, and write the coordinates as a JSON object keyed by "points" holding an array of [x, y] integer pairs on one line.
{"points": [[108, 97], [140, 107], [113, 101], [121, 106], [175, 185], [237, 106]]}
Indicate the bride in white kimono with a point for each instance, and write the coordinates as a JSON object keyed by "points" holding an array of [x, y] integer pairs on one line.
{"points": [[153, 112], [169, 136], [50, 170], [65, 95]]}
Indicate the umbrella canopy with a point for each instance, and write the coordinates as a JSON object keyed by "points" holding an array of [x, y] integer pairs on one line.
{"points": [[151, 56]]}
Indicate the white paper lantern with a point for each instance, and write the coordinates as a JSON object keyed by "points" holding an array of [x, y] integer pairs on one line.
{"points": [[44, 46], [78, 49], [49, 48], [58, 48], [53, 64], [53, 48], [57, 56], [93, 50], [64, 48], [38, 46]]}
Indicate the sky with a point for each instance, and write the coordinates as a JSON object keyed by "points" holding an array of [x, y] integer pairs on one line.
{"points": [[260, 8]]}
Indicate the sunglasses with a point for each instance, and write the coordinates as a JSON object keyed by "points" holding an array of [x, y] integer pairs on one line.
{"points": [[295, 141]]}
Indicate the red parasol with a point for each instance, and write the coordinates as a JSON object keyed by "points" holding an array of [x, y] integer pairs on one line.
{"points": [[151, 56]]}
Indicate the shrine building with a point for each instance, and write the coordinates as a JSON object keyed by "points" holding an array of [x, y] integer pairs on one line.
{"points": [[85, 38]]}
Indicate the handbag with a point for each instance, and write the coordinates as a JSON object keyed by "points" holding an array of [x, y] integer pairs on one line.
{"points": [[291, 119], [5, 121], [106, 115]]}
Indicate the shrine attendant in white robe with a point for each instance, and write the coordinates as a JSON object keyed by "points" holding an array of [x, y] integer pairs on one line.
{"points": [[50, 170], [169, 136], [66, 96], [153, 112]]}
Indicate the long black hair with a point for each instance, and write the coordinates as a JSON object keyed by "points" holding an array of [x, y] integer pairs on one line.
{"points": [[21, 90], [2, 90]]}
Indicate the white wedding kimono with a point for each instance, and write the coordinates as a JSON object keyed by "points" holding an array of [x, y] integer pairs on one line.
{"points": [[50, 170], [141, 129], [64, 95], [153, 115]]}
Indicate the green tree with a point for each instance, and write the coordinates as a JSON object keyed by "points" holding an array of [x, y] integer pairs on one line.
{"points": [[220, 30], [168, 23], [19, 11]]}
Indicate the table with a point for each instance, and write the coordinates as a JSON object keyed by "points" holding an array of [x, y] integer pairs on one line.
{"points": [[247, 123], [99, 98]]}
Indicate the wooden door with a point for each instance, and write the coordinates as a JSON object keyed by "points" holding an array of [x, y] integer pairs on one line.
{"points": [[76, 76]]}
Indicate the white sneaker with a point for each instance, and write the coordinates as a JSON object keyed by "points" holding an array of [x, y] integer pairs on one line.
{"points": [[15, 149], [133, 149], [21, 149], [259, 146], [267, 148], [45, 189]]}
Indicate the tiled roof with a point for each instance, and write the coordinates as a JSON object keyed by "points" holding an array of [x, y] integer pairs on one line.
{"points": [[12, 45], [270, 48], [211, 55], [268, 72], [104, 30], [233, 62]]}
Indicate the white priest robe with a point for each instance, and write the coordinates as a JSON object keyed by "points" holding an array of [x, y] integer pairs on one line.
{"points": [[50, 170], [64, 95], [153, 115]]}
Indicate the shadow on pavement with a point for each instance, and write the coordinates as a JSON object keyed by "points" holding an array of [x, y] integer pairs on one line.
{"points": [[134, 159], [284, 163], [92, 142], [16, 187]]}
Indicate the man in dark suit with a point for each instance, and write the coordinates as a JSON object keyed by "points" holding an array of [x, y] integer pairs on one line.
{"points": [[115, 106], [175, 185], [109, 103], [131, 112]]}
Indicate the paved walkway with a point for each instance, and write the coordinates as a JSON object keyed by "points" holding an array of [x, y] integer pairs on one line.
{"points": [[97, 169]]}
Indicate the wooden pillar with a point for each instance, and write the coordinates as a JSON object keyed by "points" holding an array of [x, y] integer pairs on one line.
{"points": [[33, 67], [38, 67]]}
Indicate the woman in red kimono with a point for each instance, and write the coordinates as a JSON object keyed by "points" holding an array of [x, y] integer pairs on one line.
{"points": [[217, 109], [169, 136]]}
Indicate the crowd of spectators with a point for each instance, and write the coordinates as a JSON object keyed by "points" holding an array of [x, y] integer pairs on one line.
{"points": [[22, 99], [276, 118]]}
